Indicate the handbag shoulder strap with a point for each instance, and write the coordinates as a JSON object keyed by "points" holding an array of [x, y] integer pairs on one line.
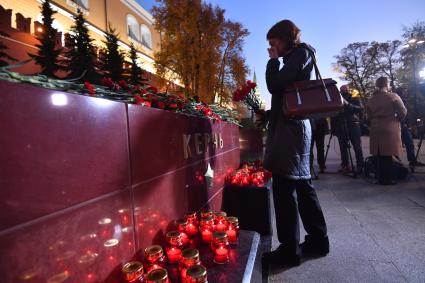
{"points": [[313, 58], [316, 70]]}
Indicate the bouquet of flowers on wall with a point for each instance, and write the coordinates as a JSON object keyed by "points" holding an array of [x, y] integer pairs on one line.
{"points": [[250, 174], [246, 94]]}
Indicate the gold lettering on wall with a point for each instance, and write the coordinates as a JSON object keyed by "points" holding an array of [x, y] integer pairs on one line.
{"points": [[186, 148], [200, 143]]}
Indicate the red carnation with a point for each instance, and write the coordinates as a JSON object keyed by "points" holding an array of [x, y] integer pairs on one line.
{"points": [[161, 105], [173, 106], [123, 84], [139, 100], [147, 104], [89, 88], [107, 82]]}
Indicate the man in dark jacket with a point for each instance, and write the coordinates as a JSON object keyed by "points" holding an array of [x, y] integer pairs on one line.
{"points": [[320, 129], [347, 128], [406, 133], [287, 153]]}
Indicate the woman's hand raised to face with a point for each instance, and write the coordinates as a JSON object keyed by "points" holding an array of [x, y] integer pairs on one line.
{"points": [[273, 52]]}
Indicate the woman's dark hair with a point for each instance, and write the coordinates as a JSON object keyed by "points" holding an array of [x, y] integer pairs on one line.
{"points": [[285, 30]]}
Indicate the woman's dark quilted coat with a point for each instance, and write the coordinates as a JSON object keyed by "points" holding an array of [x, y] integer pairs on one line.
{"points": [[288, 141]]}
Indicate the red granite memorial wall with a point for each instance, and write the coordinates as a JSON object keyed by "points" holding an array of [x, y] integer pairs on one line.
{"points": [[85, 182]]}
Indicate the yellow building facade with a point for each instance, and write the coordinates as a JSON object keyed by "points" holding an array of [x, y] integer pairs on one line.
{"points": [[133, 23]]}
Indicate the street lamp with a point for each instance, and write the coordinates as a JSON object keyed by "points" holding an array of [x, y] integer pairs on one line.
{"points": [[414, 43]]}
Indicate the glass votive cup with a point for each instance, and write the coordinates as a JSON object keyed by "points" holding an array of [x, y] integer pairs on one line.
{"points": [[132, 272], [154, 258], [174, 246], [207, 229], [158, 276], [233, 230], [220, 247], [196, 274], [189, 258]]}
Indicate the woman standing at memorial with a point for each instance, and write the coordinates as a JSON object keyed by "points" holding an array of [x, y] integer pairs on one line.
{"points": [[288, 152]]}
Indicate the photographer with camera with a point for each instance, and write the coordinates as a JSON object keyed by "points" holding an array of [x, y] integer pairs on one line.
{"points": [[346, 126], [406, 133]]}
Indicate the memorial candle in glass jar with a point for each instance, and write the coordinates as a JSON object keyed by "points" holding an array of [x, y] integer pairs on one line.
{"points": [[189, 258], [207, 229], [206, 212], [181, 225], [154, 258], [196, 274], [233, 230], [192, 224], [220, 221], [158, 276], [174, 246], [220, 247], [133, 272]]}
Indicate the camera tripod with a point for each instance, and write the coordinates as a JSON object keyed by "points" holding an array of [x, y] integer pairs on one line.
{"points": [[353, 172], [413, 166]]}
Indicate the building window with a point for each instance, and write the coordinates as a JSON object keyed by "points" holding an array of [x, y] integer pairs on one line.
{"points": [[79, 4], [146, 36], [133, 28]]}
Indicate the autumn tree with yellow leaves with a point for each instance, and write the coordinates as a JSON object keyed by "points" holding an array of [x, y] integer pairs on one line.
{"points": [[201, 47]]}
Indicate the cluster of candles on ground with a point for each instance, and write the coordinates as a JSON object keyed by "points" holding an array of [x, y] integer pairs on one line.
{"points": [[249, 174], [215, 229]]}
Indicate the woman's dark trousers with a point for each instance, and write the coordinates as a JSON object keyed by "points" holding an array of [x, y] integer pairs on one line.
{"points": [[291, 197]]}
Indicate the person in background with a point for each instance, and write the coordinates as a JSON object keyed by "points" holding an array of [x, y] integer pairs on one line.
{"points": [[287, 153], [406, 133], [385, 111], [346, 127], [320, 129]]}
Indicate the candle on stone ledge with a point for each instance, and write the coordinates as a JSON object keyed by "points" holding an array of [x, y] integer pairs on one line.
{"points": [[207, 228], [190, 257], [158, 276], [154, 258], [181, 225], [174, 246], [206, 213], [133, 272], [233, 229], [191, 229], [220, 247], [220, 221], [196, 274], [192, 224]]}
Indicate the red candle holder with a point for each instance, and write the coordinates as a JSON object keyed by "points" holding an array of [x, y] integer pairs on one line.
{"points": [[174, 246], [192, 224], [220, 247], [206, 213], [190, 257], [158, 276], [181, 225], [196, 274], [191, 217], [220, 221], [233, 230], [154, 258], [207, 229], [133, 272]]}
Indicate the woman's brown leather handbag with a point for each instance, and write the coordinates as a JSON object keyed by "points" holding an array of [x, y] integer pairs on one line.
{"points": [[313, 98]]}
